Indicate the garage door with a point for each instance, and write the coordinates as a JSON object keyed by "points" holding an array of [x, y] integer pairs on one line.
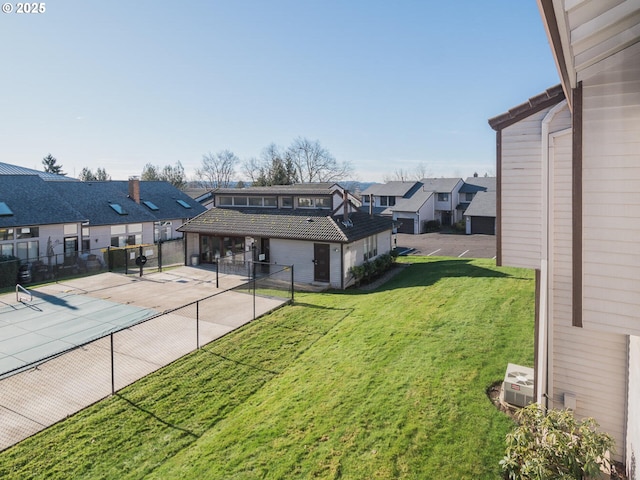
{"points": [[483, 225], [405, 225]]}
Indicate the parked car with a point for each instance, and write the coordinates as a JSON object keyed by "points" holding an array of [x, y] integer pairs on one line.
{"points": [[88, 262]]}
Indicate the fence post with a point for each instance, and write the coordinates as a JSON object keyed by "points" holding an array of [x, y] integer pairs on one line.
{"points": [[292, 284], [217, 279], [254, 290], [159, 255], [198, 325], [113, 372]]}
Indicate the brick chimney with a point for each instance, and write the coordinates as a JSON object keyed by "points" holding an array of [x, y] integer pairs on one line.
{"points": [[345, 206], [134, 189]]}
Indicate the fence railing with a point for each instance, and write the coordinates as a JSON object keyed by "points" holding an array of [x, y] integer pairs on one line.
{"points": [[48, 390], [57, 266]]}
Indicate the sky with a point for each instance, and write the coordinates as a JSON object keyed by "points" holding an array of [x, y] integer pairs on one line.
{"points": [[382, 85]]}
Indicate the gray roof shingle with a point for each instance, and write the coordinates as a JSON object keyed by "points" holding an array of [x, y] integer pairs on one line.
{"points": [[482, 205], [393, 189], [34, 201], [289, 224], [93, 200]]}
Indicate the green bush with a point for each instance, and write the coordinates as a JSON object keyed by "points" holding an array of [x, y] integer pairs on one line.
{"points": [[551, 444], [432, 226], [8, 270], [369, 271]]}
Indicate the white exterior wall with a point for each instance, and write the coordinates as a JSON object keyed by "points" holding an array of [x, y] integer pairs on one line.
{"points": [[300, 254], [611, 195], [522, 193], [589, 364]]}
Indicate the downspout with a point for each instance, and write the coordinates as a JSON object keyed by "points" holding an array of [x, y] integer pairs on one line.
{"points": [[544, 341], [342, 266]]}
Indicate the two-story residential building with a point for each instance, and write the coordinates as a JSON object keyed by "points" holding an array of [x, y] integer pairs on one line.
{"points": [[412, 204], [568, 164], [477, 201], [316, 227], [53, 219]]}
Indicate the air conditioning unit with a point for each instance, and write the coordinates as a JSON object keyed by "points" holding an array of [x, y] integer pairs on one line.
{"points": [[517, 388]]}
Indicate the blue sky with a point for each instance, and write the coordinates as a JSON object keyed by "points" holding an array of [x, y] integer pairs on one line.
{"points": [[383, 85]]}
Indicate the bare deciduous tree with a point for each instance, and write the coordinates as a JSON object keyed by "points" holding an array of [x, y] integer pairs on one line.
{"points": [[314, 163], [419, 172], [217, 169]]}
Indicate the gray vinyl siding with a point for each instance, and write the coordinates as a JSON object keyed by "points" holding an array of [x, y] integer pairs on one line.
{"points": [[611, 202], [521, 215], [587, 363]]}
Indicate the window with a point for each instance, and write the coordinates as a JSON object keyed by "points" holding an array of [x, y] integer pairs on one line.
{"points": [[134, 239], [468, 197], [305, 202], [255, 201], [365, 199], [5, 211], [370, 247], [161, 231], [225, 201], [323, 202], [150, 205], [28, 250], [443, 197], [270, 202], [27, 232], [182, 203], [241, 201], [6, 234], [118, 238], [118, 208], [6, 249], [387, 201], [70, 229], [287, 202]]}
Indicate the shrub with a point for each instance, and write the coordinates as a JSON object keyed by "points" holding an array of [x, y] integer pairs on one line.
{"points": [[551, 444], [369, 271], [432, 226], [8, 270]]}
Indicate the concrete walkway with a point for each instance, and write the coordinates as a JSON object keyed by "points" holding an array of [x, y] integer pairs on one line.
{"points": [[39, 397]]}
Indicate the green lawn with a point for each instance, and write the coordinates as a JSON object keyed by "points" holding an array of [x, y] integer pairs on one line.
{"points": [[386, 384]]}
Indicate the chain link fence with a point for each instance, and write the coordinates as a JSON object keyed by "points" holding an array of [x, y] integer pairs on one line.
{"points": [[47, 391], [60, 266]]}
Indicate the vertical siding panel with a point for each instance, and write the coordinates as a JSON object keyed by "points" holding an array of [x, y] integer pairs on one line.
{"points": [[611, 196], [598, 381], [521, 193]]}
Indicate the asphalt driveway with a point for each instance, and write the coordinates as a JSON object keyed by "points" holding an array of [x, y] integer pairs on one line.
{"points": [[448, 245]]}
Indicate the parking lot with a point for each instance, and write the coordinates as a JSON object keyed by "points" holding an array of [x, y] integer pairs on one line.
{"points": [[448, 245]]}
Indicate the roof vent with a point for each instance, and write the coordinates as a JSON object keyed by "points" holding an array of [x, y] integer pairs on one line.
{"points": [[309, 219]]}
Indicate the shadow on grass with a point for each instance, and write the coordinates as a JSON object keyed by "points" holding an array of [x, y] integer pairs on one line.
{"points": [[239, 362], [155, 417], [422, 274]]}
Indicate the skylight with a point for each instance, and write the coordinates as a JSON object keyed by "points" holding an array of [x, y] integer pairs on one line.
{"points": [[183, 203], [118, 208], [5, 211], [150, 205]]}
